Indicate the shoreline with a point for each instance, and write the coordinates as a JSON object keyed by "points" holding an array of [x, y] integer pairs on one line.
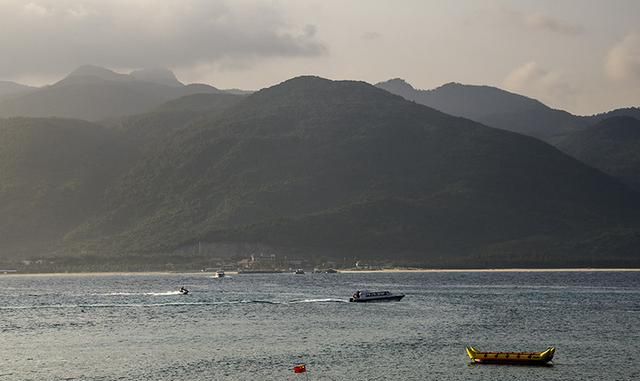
{"points": [[387, 271], [492, 270]]}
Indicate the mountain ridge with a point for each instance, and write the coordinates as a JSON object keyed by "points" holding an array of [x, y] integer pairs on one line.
{"points": [[310, 166], [95, 93], [494, 107], [514, 112], [312, 162]]}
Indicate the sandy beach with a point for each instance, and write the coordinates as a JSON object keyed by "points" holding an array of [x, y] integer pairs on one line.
{"points": [[396, 270], [491, 270]]}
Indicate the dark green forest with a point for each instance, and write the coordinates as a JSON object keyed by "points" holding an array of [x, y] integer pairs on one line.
{"points": [[313, 169]]}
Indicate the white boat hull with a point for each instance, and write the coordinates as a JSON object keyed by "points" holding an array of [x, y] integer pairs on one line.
{"points": [[386, 298]]}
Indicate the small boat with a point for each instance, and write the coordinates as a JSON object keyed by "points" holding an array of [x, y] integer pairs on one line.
{"points": [[525, 358], [299, 271], [184, 291], [375, 296], [219, 274]]}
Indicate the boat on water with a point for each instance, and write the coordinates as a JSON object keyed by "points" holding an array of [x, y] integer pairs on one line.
{"points": [[184, 291], [525, 358], [299, 271], [219, 274], [375, 296]]}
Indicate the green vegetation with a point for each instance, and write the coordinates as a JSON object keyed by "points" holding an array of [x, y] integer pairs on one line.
{"points": [[591, 139], [493, 107], [612, 145], [331, 168], [53, 175]]}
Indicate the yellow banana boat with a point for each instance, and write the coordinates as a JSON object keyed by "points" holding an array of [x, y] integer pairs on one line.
{"points": [[529, 358]]}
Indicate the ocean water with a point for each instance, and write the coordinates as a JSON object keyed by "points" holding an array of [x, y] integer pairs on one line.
{"points": [[257, 327]]}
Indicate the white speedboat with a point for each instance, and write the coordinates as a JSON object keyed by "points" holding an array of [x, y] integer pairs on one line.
{"points": [[219, 274], [375, 296]]}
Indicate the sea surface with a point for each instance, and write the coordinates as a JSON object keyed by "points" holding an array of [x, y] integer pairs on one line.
{"points": [[257, 327]]}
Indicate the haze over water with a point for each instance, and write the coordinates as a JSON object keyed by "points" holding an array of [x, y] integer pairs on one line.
{"points": [[256, 327]]}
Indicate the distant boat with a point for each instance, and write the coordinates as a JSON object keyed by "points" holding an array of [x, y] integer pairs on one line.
{"points": [[528, 358], [219, 274], [375, 296], [184, 291], [299, 271]]}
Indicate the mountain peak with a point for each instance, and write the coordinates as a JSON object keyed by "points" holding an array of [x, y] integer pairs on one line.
{"points": [[464, 100], [626, 111], [396, 86], [305, 81], [307, 88], [491, 106], [97, 71], [90, 73], [455, 85], [485, 89], [159, 75], [306, 84]]}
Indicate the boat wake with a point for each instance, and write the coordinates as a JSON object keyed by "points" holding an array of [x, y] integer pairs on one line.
{"points": [[168, 304], [166, 293], [326, 300]]}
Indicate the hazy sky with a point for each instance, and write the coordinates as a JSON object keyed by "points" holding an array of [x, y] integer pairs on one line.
{"points": [[579, 55]]}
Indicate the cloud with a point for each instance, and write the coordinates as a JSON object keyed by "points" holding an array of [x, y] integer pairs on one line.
{"points": [[540, 21], [534, 80], [623, 60], [54, 36], [524, 75], [35, 9], [537, 21]]}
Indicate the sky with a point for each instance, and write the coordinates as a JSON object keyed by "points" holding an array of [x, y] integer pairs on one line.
{"points": [[579, 55]]}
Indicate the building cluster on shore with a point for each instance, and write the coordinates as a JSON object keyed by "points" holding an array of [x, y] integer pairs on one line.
{"points": [[270, 263]]}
